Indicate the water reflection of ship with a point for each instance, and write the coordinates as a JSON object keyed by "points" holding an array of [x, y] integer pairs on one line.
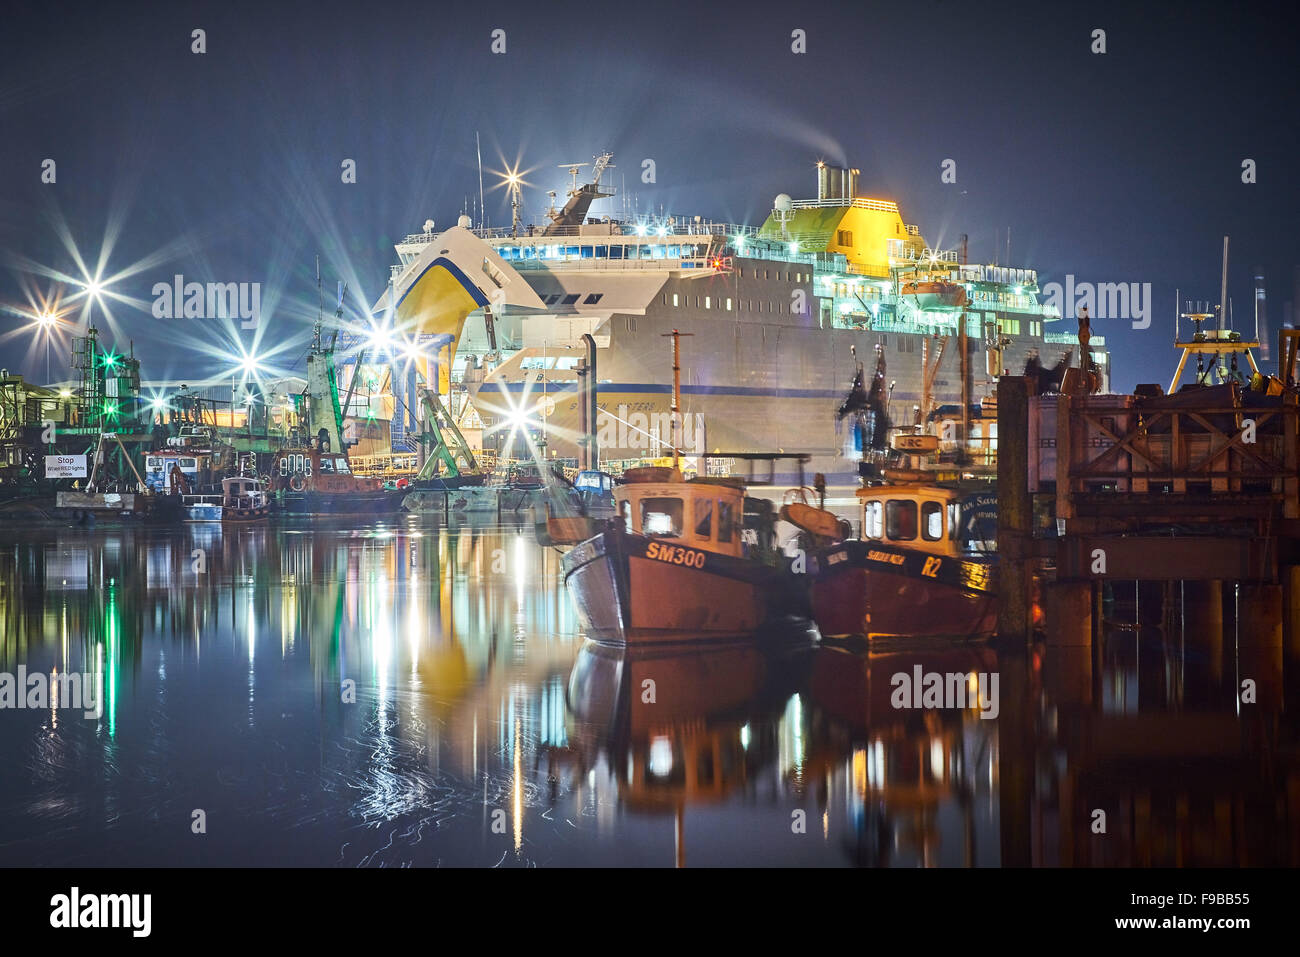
{"points": [[903, 765], [678, 728]]}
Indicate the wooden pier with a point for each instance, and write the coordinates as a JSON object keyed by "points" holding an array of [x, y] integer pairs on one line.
{"points": [[1201, 487]]}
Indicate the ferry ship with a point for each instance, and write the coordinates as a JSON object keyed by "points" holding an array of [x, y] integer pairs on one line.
{"points": [[775, 312]]}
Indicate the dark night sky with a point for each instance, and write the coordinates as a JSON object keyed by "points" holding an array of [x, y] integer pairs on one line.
{"points": [[226, 166]]}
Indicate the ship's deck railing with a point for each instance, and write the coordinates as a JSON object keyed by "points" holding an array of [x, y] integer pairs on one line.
{"points": [[649, 231], [878, 205], [853, 269], [384, 463], [998, 275], [579, 264], [920, 256]]}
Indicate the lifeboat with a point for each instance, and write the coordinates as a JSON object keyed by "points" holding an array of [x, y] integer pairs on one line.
{"points": [[933, 294]]}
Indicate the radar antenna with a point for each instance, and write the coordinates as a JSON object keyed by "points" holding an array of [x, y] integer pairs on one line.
{"points": [[573, 169], [581, 196]]}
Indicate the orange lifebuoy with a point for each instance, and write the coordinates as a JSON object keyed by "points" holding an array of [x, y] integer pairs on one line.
{"points": [[297, 483]]}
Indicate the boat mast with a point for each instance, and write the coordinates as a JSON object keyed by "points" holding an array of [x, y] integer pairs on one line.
{"points": [[1223, 289], [963, 347], [677, 389]]}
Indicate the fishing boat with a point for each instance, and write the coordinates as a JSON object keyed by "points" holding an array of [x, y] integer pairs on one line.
{"points": [[111, 495], [924, 563], [683, 560], [243, 499], [567, 514], [314, 481], [470, 495], [924, 566]]}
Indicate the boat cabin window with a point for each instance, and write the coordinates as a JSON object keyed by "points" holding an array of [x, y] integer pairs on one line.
{"points": [[726, 520], [873, 520], [900, 520], [932, 521], [952, 521], [704, 518], [661, 516], [625, 513], [326, 467], [295, 463]]}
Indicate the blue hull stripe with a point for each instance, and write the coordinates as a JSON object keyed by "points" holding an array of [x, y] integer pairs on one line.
{"points": [[553, 387]]}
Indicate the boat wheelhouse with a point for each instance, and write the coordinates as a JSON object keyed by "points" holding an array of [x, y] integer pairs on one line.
{"points": [[162, 467]]}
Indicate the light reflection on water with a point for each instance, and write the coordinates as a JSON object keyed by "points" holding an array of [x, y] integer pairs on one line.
{"points": [[421, 695]]}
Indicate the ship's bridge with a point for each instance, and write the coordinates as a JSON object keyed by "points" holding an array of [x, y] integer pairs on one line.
{"points": [[666, 244]]}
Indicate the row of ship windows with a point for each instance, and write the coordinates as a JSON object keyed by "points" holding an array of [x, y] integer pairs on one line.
{"points": [[1011, 327], [866, 291], [1004, 299], [744, 305], [782, 275]]}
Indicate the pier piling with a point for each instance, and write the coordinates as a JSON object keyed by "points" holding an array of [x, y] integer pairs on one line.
{"points": [[1291, 630], [1069, 613], [1015, 512], [1202, 617], [1259, 642]]}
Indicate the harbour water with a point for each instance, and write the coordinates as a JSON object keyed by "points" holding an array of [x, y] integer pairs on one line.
{"points": [[420, 694]]}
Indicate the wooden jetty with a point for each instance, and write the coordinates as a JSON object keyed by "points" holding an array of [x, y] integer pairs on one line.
{"points": [[1199, 486]]}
